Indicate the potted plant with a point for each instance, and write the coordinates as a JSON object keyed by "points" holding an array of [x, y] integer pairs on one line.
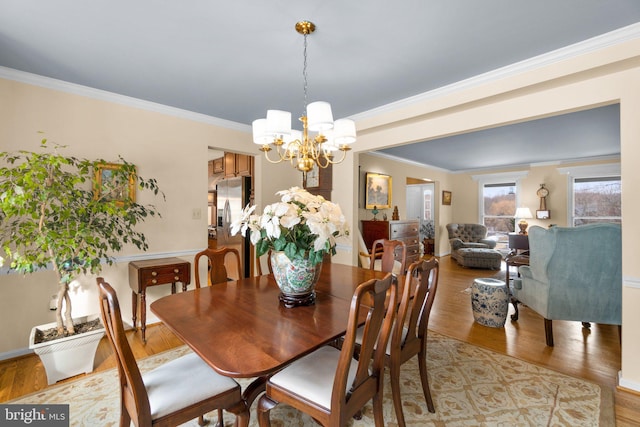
{"points": [[298, 231], [427, 233], [55, 216]]}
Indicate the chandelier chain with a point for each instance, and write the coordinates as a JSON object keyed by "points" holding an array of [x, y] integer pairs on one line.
{"points": [[304, 76]]}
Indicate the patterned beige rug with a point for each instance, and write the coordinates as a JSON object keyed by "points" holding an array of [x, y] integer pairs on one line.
{"points": [[470, 386]]}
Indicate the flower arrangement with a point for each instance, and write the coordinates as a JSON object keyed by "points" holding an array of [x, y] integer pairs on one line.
{"points": [[301, 224]]}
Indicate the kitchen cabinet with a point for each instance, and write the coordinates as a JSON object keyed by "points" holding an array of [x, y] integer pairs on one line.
{"points": [[237, 165]]}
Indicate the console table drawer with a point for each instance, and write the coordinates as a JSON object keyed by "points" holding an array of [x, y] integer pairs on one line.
{"points": [[165, 274]]}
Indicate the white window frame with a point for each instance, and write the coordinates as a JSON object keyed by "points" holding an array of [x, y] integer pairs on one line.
{"points": [[607, 170], [497, 178]]}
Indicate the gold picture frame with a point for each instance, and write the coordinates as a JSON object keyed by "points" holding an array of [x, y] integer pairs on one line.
{"points": [[377, 191], [108, 187], [446, 197]]}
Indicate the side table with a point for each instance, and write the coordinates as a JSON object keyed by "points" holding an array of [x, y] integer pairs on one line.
{"points": [[515, 259], [153, 272]]}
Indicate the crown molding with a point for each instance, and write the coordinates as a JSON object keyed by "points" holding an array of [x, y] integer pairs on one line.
{"points": [[103, 95], [619, 36]]}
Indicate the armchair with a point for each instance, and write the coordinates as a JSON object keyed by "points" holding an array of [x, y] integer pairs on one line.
{"points": [[574, 273], [471, 248]]}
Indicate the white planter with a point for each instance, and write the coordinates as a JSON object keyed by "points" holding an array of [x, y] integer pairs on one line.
{"points": [[68, 356]]}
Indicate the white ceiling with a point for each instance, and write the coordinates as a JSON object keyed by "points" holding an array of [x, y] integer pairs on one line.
{"points": [[235, 59]]}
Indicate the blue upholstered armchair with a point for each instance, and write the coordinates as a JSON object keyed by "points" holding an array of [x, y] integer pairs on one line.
{"points": [[574, 273]]}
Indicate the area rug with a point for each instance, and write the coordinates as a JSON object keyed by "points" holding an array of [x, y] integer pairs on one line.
{"points": [[471, 386]]}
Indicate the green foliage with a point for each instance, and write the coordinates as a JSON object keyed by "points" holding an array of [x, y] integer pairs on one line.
{"points": [[52, 217]]}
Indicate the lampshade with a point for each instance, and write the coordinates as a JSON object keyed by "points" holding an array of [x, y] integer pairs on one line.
{"points": [[344, 132], [260, 137], [524, 213], [319, 116], [278, 123]]}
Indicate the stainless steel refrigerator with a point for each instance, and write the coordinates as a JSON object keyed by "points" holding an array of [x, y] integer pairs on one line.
{"points": [[232, 197]]}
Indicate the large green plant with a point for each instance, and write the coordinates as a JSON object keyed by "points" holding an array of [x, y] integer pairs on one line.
{"points": [[53, 217]]}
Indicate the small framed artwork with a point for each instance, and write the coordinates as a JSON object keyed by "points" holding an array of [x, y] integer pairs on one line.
{"points": [[111, 184], [377, 191], [543, 214], [446, 197]]}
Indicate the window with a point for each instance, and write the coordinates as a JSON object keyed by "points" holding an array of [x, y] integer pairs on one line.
{"points": [[596, 200], [499, 206]]}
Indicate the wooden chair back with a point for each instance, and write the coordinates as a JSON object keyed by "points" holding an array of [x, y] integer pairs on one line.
{"points": [[377, 328], [409, 335], [133, 392], [217, 271], [264, 258], [388, 251]]}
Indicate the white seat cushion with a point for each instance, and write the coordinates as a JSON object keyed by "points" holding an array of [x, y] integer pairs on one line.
{"points": [[312, 376], [360, 330], [181, 383]]}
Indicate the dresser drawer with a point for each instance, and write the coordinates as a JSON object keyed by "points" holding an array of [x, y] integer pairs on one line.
{"points": [[403, 229]]}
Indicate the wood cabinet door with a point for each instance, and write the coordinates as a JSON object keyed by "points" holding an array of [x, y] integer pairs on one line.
{"points": [[218, 165], [229, 165], [243, 165]]}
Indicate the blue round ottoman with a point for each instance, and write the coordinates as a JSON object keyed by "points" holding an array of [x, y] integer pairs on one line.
{"points": [[490, 302]]}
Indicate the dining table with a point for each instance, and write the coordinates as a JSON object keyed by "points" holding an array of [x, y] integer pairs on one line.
{"points": [[242, 330]]}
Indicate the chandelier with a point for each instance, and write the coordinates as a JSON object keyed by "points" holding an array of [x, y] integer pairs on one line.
{"points": [[321, 136]]}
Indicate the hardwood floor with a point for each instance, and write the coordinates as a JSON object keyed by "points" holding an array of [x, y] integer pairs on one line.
{"points": [[593, 355]]}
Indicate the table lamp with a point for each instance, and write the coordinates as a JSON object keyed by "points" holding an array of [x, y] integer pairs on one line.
{"points": [[523, 214]]}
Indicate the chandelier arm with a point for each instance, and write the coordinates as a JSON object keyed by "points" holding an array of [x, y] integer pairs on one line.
{"points": [[334, 162], [266, 156]]}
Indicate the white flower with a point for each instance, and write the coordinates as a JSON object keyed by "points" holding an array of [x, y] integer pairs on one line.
{"points": [[241, 223], [309, 222]]}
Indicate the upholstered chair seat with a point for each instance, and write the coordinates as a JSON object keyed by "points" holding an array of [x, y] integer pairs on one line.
{"points": [[317, 388], [171, 386]]}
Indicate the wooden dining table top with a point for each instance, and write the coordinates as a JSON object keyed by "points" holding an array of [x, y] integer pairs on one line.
{"points": [[241, 329]]}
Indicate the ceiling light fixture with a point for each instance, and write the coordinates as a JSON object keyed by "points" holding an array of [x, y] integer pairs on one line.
{"points": [[301, 149]]}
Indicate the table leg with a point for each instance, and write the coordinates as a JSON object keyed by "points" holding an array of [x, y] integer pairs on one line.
{"points": [[134, 304], [143, 314], [249, 395]]}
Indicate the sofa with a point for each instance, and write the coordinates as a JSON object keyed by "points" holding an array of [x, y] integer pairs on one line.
{"points": [[471, 248], [574, 273]]}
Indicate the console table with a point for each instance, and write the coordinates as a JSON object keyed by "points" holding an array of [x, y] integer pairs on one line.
{"points": [[153, 272]]}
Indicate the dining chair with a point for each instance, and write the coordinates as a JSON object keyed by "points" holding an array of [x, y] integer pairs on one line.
{"points": [[329, 384], [392, 255], [171, 394], [217, 271], [409, 334], [266, 258]]}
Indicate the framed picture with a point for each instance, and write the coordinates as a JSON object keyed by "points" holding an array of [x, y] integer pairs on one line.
{"points": [[446, 197], [543, 214], [377, 191], [111, 184]]}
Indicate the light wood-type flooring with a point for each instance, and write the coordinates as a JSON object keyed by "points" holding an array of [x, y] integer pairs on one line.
{"points": [[593, 355]]}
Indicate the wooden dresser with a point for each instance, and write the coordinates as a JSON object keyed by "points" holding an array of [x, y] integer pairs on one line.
{"points": [[406, 230]]}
